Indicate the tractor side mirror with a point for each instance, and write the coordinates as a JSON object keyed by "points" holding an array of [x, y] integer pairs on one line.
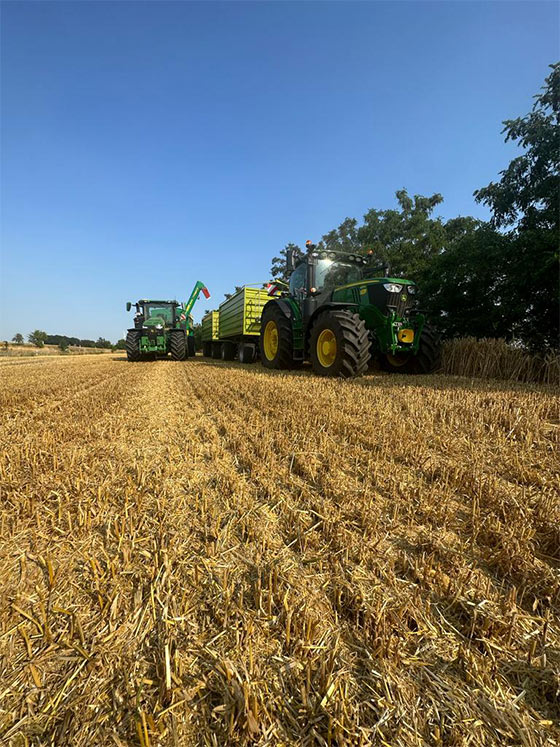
{"points": [[289, 261], [128, 305]]}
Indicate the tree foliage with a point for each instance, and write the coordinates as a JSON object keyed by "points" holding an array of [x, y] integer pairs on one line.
{"points": [[18, 338], [526, 199], [37, 338]]}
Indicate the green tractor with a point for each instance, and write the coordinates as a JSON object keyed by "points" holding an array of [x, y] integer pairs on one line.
{"points": [[163, 327], [339, 317]]}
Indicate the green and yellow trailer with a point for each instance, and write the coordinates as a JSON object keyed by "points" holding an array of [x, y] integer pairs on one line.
{"points": [[210, 333], [238, 326]]}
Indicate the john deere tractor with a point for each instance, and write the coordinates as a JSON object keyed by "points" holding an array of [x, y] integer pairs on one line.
{"points": [[162, 328], [338, 317]]}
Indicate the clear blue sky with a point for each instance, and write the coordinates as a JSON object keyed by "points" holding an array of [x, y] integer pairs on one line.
{"points": [[148, 145]]}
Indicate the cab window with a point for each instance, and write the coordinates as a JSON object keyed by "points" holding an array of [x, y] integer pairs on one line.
{"points": [[298, 281]]}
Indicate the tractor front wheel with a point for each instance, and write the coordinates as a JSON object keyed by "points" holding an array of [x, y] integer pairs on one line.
{"points": [[339, 345], [178, 345], [426, 361], [133, 345], [191, 346], [276, 342]]}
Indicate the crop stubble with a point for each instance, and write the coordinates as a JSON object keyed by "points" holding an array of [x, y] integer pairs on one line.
{"points": [[205, 553]]}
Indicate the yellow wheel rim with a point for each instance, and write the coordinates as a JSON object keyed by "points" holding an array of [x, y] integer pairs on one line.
{"points": [[397, 360], [270, 340], [326, 348]]}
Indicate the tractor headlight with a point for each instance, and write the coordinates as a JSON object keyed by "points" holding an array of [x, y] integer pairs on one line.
{"points": [[411, 289], [352, 258], [159, 326], [393, 287]]}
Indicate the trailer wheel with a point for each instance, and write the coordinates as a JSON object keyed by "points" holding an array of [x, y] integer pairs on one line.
{"points": [[339, 345], [133, 345], [216, 350], [178, 345], [276, 339], [207, 349], [228, 351], [247, 353]]}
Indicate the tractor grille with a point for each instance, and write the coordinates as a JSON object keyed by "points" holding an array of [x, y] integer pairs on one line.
{"points": [[385, 301], [395, 301]]}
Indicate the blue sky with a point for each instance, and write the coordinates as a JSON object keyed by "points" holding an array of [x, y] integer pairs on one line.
{"points": [[148, 145]]}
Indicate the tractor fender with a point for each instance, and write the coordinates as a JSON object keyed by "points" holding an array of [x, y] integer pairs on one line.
{"points": [[282, 304], [330, 306]]}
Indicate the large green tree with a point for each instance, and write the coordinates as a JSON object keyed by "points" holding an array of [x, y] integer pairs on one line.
{"points": [[526, 201]]}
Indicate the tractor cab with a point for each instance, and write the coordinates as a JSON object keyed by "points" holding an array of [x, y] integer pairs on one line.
{"points": [[156, 314]]}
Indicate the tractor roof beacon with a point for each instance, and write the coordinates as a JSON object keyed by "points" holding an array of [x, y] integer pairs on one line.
{"points": [[335, 314], [162, 328]]}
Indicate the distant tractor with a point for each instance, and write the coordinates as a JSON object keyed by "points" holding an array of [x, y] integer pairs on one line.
{"points": [[162, 328], [234, 330], [337, 316]]}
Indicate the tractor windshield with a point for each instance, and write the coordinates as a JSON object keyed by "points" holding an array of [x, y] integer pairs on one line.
{"points": [[159, 313], [330, 274]]}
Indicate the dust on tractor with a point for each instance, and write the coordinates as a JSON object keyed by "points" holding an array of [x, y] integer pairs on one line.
{"points": [[163, 328], [338, 317]]}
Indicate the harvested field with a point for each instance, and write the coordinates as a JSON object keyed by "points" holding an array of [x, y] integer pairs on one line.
{"points": [[203, 553]]}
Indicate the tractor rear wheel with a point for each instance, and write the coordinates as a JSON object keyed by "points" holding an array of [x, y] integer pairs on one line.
{"points": [[276, 340], [339, 345], [427, 359], [133, 345], [178, 345], [191, 347]]}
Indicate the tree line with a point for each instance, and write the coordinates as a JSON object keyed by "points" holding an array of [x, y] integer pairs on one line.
{"points": [[39, 338], [496, 278]]}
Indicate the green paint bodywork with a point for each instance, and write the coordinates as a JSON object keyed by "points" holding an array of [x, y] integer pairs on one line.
{"points": [[385, 325]]}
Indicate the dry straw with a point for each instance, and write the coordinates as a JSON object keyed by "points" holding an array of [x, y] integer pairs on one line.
{"points": [[212, 554], [495, 359]]}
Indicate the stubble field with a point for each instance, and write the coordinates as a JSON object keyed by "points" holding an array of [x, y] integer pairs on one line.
{"points": [[203, 553]]}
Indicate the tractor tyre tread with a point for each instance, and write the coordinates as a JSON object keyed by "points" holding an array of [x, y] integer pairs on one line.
{"points": [[133, 345], [178, 345], [355, 351], [285, 357]]}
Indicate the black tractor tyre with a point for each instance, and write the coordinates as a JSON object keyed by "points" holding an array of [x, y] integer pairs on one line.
{"points": [[426, 361], [217, 350], [191, 346], [133, 345], [351, 353], [178, 345], [283, 357], [247, 353], [228, 351]]}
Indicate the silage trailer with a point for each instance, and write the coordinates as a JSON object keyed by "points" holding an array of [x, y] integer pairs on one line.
{"points": [[238, 325]]}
